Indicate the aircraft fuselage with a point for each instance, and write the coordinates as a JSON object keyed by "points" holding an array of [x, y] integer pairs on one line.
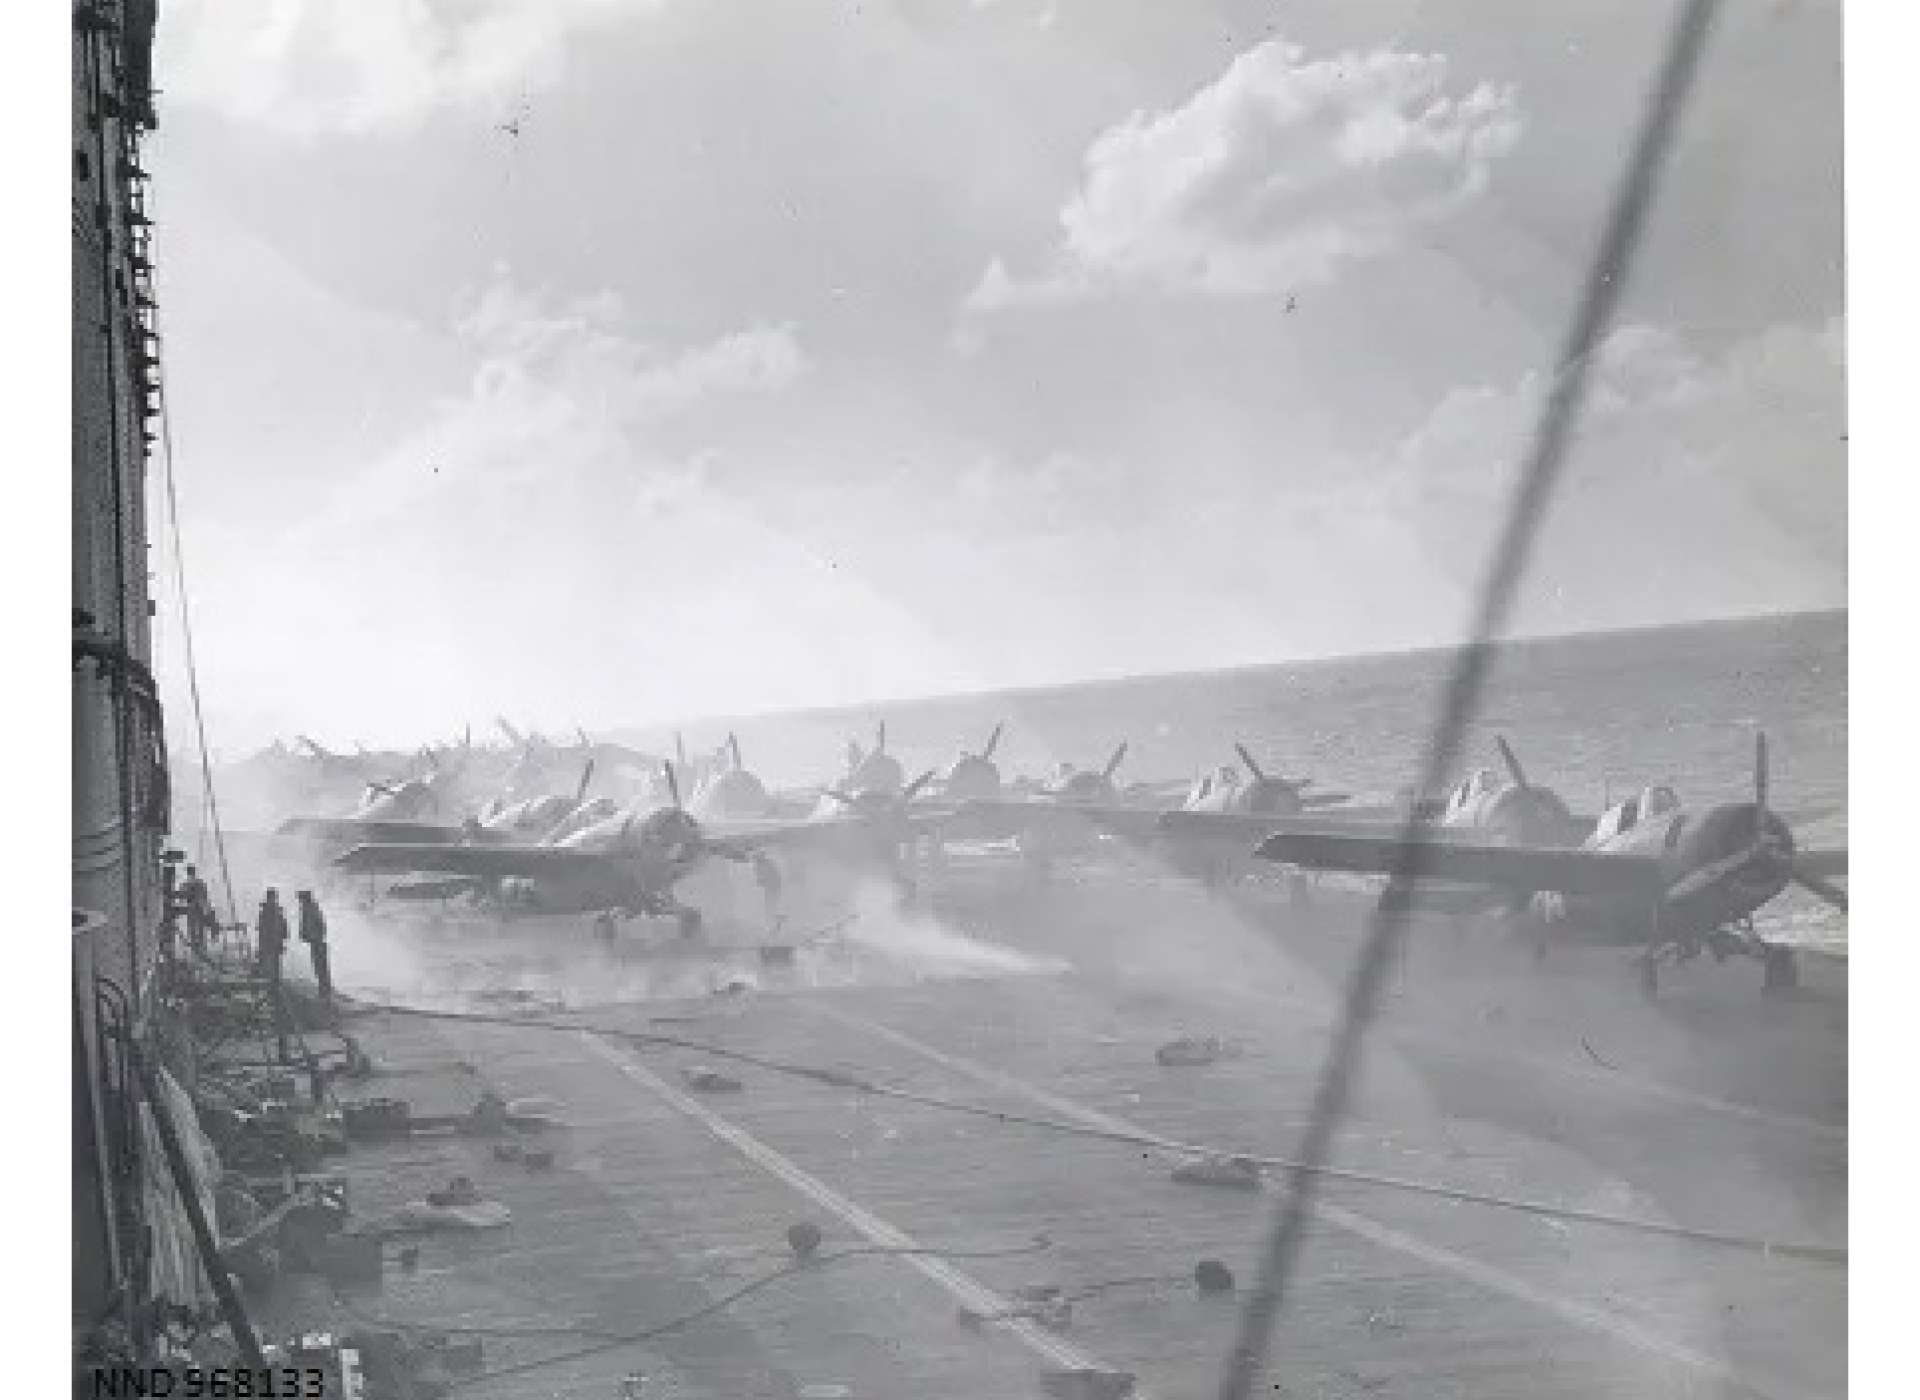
{"points": [[1718, 869]]}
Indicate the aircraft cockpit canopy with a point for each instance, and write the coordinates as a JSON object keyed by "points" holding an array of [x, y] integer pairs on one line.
{"points": [[1475, 786], [1624, 816], [1658, 800]]}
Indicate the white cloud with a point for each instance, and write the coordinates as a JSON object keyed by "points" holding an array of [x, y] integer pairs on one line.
{"points": [[306, 67], [584, 352], [1271, 178], [558, 529], [1696, 484], [1702, 484], [559, 393]]}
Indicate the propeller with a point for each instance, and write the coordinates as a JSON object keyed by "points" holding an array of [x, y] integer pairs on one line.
{"points": [[1813, 884], [1762, 845], [854, 754], [586, 776], [673, 783], [912, 789], [1113, 764], [880, 738], [1247, 759], [514, 736], [993, 740], [733, 747], [680, 747], [1514, 770]]}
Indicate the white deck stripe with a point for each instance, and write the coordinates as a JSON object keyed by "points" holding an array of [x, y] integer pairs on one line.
{"points": [[1496, 1280], [1620, 1081], [876, 1231]]}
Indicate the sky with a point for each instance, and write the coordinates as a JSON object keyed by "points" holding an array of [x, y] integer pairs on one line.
{"points": [[604, 362]]}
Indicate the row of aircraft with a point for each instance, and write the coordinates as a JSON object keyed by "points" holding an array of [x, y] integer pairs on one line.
{"points": [[1648, 872]]}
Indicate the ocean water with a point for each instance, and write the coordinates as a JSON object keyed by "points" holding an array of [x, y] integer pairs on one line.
{"points": [[1589, 716]]}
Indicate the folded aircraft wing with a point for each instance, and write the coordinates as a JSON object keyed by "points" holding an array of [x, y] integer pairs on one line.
{"points": [[742, 837], [1470, 862], [998, 818], [796, 833], [1252, 829], [483, 862], [355, 829]]}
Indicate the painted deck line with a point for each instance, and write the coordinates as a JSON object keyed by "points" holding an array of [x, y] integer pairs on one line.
{"points": [[1495, 1280], [1620, 1081], [875, 1230]]}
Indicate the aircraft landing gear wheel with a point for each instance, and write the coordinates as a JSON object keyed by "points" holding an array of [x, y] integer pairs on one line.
{"points": [[1782, 970]]}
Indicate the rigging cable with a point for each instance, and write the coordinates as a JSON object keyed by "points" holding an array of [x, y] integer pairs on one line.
{"points": [[186, 623], [1539, 475]]}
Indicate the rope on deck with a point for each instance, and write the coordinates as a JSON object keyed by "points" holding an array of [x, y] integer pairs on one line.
{"points": [[857, 1083], [613, 1341]]}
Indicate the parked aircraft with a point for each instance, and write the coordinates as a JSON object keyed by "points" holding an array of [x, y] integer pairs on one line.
{"points": [[631, 861], [1651, 874]]}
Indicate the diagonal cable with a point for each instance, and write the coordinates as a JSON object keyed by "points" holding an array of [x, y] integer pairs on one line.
{"points": [[1539, 475], [212, 805]]}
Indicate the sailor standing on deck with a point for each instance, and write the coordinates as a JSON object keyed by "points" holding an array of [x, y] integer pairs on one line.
{"points": [[313, 933], [271, 924], [199, 909]]}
